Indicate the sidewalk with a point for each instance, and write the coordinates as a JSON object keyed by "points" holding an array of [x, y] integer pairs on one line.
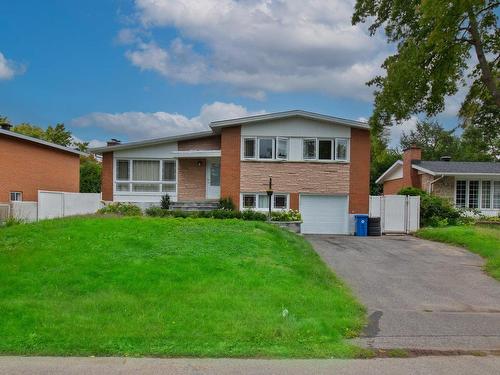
{"points": [[466, 365]]}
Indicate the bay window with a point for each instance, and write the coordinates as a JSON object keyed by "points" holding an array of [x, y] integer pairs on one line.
{"points": [[483, 194], [146, 176]]}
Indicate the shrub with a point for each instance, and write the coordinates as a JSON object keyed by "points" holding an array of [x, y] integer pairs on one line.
{"points": [[165, 202], [123, 209], [155, 211], [226, 204], [253, 215], [434, 211], [288, 215]]}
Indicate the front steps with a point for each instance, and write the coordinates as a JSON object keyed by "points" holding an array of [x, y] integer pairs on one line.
{"points": [[194, 205]]}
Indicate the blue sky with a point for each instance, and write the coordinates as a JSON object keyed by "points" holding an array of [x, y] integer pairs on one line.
{"points": [[144, 68]]}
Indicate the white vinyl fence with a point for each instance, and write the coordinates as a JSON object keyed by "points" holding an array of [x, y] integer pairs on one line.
{"points": [[52, 204], [398, 213]]}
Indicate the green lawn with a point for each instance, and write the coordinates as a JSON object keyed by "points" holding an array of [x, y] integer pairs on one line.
{"points": [[169, 287], [480, 239]]}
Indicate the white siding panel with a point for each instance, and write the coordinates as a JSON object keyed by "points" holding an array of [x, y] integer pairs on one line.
{"points": [[296, 127], [161, 151], [295, 149]]}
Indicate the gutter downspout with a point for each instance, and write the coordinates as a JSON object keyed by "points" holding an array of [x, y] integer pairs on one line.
{"points": [[432, 183]]}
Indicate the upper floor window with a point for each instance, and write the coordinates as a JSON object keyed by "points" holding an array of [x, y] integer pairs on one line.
{"points": [[266, 148], [325, 147], [16, 196], [282, 149], [341, 149], [249, 148], [309, 148]]}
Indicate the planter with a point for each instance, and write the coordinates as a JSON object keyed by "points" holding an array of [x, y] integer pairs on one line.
{"points": [[292, 226]]}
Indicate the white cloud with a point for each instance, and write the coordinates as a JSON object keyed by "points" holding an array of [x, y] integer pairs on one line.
{"points": [[92, 142], [9, 68], [142, 125], [396, 131], [261, 45]]}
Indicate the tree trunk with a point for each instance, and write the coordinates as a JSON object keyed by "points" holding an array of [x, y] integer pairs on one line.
{"points": [[486, 75]]}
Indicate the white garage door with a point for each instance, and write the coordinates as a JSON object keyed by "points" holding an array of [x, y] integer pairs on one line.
{"points": [[322, 214]]}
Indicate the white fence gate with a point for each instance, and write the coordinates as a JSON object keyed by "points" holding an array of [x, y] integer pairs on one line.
{"points": [[52, 204], [398, 213]]}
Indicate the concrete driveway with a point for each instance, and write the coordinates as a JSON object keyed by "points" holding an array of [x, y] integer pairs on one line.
{"points": [[419, 294]]}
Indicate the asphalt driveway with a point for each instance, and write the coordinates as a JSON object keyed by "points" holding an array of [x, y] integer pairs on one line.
{"points": [[419, 294]]}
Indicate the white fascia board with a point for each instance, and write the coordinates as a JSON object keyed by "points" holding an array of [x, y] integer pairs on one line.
{"points": [[389, 170]]}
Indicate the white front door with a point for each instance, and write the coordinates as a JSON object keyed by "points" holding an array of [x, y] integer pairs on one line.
{"points": [[324, 214], [213, 178]]}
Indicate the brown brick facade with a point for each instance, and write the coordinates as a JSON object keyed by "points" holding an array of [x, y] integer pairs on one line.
{"points": [[206, 143], [393, 186], [107, 176], [28, 167], [289, 177], [230, 163], [410, 175], [359, 177], [191, 180]]}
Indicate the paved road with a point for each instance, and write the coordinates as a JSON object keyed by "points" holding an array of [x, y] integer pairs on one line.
{"points": [[465, 365], [419, 294]]}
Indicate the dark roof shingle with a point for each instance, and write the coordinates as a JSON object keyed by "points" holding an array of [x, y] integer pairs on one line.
{"points": [[459, 167]]}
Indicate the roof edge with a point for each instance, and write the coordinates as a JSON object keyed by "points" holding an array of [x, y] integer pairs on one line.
{"points": [[389, 170], [153, 141], [287, 114], [42, 142]]}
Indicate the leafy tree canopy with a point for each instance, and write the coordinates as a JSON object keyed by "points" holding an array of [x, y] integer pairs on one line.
{"points": [[56, 134], [435, 43]]}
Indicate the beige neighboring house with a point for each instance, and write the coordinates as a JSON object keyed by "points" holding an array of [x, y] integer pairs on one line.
{"points": [[474, 185]]}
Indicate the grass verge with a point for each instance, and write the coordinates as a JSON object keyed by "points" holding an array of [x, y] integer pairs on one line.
{"points": [[480, 239], [170, 287]]}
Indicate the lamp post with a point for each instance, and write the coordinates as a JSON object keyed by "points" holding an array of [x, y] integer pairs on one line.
{"points": [[270, 194]]}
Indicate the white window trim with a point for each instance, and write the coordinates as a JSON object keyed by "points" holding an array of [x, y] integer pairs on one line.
{"points": [[315, 150], [130, 181], [256, 208], [278, 139], [255, 147], [20, 193], [347, 154], [273, 152], [480, 193]]}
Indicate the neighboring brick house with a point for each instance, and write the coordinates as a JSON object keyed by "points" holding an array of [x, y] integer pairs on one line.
{"points": [[465, 184], [319, 165], [28, 165]]}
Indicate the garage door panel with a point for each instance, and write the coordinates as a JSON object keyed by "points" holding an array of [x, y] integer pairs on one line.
{"points": [[324, 214]]}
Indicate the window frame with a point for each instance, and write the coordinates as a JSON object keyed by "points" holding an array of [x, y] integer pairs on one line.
{"points": [[480, 193], [273, 147], [130, 182], [332, 149], [255, 154], [315, 149], [16, 193], [264, 209], [287, 140], [346, 140]]}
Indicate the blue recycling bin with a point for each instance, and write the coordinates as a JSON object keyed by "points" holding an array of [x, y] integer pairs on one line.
{"points": [[361, 225]]}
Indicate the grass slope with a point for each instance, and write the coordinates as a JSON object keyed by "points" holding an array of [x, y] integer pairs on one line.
{"points": [[169, 287], [480, 239]]}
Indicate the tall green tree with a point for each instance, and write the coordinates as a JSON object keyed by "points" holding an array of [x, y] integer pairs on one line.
{"points": [[90, 175], [434, 141], [56, 134], [435, 40]]}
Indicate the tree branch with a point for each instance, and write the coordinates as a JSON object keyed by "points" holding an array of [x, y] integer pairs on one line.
{"points": [[486, 75]]}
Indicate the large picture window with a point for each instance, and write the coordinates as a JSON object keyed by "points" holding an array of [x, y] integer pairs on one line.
{"points": [[477, 194], [146, 176]]}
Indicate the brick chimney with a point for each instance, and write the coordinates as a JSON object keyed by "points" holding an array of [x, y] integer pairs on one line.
{"points": [[410, 175], [113, 142]]}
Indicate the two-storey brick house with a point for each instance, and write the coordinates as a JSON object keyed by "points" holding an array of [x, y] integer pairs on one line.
{"points": [[319, 165]]}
